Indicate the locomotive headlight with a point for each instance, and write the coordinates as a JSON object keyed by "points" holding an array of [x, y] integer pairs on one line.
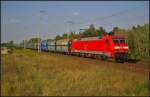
{"points": [[117, 47], [121, 47], [125, 47]]}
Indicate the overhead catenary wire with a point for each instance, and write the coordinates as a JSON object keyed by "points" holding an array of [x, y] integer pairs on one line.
{"points": [[129, 18], [111, 26], [112, 15]]}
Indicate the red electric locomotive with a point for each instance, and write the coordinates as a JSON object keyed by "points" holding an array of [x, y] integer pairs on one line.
{"points": [[106, 47]]}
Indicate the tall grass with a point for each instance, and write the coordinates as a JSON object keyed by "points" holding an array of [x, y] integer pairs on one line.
{"points": [[25, 72]]}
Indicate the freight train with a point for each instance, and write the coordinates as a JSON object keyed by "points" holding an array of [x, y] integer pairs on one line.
{"points": [[103, 47]]}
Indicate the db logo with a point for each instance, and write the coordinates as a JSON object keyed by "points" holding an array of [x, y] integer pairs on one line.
{"points": [[85, 47]]}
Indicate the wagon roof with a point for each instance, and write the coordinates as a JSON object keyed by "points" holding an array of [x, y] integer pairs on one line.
{"points": [[50, 39]]}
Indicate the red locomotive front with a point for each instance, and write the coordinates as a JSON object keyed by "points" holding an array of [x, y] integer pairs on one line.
{"points": [[106, 46]]}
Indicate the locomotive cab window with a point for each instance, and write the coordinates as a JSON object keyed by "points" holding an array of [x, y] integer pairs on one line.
{"points": [[120, 40], [116, 41]]}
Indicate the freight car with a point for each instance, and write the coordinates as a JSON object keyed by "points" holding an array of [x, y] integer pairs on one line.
{"points": [[63, 46], [44, 45], [32, 45], [48, 45]]}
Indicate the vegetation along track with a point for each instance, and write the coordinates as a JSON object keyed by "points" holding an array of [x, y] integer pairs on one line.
{"points": [[139, 66], [26, 72]]}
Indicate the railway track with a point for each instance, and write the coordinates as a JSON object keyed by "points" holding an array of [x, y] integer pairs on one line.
{"points": [[139, 66]]}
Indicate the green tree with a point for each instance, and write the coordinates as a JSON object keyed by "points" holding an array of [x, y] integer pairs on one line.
{"points": [[90, 31], [34, 40], [58, 37], [133, 28], [65, 35], [73, 35], [101, 31], [119, 31], [9, 44], [111, 33], [138, 41]]}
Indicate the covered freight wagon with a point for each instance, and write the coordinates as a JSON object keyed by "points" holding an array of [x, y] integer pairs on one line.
{"points": [[44, 45], [62, 45], [51, 45], [48, 45]]}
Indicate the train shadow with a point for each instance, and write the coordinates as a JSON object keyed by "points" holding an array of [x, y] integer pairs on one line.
{"points": [[126, 61], [129, 60]]}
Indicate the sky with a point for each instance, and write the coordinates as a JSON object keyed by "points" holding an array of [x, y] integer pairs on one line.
{"points": [[22, 20]]}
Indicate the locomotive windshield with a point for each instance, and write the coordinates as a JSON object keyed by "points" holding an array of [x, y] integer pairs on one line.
{"points": [[119, 40]]}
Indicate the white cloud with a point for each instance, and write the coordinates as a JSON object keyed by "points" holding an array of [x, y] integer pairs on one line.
{"points": [[13, 21], [75, 13]]}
